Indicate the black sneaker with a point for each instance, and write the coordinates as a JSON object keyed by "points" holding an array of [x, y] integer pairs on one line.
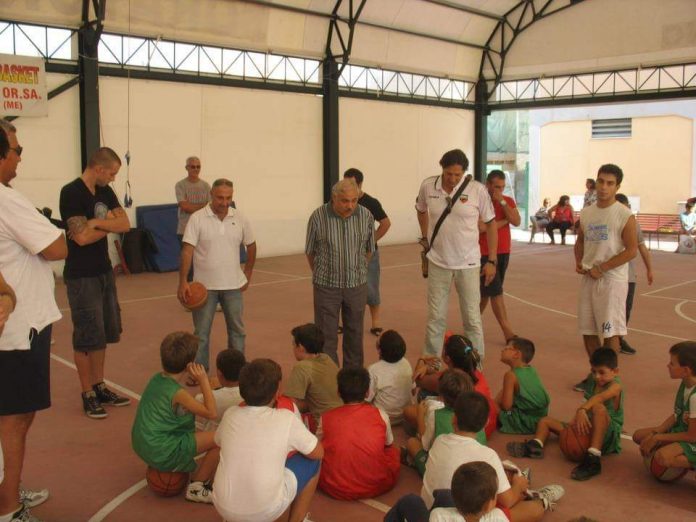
{"points": [[590, 466], [626, 348], [582, 385], [92, 406], [529, 449], [106, 396]]}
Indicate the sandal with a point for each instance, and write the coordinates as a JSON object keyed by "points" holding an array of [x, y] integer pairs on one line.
{"points": [[376, 331]]}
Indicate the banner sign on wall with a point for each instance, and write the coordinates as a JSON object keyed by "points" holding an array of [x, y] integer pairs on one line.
{"points": [[22, 86]]}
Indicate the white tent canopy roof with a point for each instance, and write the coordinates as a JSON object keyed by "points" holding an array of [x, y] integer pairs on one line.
{"points": [[592, 35]]}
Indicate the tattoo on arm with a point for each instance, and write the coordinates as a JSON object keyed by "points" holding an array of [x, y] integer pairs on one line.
{"points": [[76, 225]]}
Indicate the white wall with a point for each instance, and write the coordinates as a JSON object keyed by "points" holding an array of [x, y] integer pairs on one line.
{"points": [[396, 146], [267, 143]]}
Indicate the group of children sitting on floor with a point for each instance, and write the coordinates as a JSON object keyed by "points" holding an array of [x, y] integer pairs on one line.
{"points": [[264, 448]]}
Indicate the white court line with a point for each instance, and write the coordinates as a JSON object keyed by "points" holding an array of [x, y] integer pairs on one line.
{"points": [[118, 387], [375, 504], [575, 316], [670, 287], [117, 501], [670, 298], [678, 310], [277, 273]]}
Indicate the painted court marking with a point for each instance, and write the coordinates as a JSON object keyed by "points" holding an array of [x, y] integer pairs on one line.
{"points": [[670, 287], [678, 310]]}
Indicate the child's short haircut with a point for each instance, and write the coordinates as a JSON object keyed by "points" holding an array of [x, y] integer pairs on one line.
{"points": [[392, 346], [353, 384], [177, 350], [525, 347], [686, 354], [451, 384], [230, 362], [259, 381], [473, 485], [471, 409], [309, 336], [463, 355], [604, 357]]}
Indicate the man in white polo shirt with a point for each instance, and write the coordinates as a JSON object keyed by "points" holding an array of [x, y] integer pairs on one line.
{"points": [[27, 242], [454, 255], [211, 242]]}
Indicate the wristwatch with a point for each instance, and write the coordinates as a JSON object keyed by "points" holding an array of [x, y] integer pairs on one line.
{"points": [[492, 262], [503, 203]]}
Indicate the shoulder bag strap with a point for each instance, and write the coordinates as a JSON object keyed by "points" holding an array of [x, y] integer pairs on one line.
{"points": [[448, 209]]}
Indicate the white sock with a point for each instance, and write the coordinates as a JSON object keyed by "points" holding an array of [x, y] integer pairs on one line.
{"points": [[595, 452]]}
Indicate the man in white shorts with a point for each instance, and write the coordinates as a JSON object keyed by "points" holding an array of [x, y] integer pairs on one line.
{"points": [[606, 242]]}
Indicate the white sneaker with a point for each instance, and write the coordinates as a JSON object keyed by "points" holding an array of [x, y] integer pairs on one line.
{"points": [[24, 515], [549, 495], [306, 518], [32, 498], [198, 491]]}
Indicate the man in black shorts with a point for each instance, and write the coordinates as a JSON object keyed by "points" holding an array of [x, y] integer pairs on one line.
{"points": [[373, 269], [28, 241], [506, 214], [90, 209]]}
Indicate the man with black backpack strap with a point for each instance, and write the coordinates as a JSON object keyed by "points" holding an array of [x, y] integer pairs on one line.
{"points": [[449, 207]]}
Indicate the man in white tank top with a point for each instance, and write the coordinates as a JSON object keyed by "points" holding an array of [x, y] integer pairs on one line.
{"points": [[605, 244]]}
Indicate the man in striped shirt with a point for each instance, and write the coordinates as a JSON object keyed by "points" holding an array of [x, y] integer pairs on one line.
{"points": [[340, 241]]}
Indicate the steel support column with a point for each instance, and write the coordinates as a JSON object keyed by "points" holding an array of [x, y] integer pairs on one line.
{"points": [[88, 67], [330, 124], [481, 113]]}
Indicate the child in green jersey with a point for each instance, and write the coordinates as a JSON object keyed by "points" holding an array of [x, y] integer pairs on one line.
{"points": [[600, 416], [164, 432], [676, 436], [523, 401]]}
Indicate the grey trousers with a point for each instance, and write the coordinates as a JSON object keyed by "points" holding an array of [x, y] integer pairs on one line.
{"points": [[350, 302]]}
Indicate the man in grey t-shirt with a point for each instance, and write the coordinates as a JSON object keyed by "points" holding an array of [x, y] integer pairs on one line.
{"points": [[192, 193]]}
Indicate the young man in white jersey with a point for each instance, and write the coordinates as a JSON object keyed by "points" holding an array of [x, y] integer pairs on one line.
{"points": [[606, 242]]}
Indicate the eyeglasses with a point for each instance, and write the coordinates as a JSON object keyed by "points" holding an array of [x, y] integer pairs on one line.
{"points": [[18, 149], [195, 167]]}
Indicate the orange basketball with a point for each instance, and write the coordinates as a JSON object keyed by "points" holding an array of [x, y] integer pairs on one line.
{"points": [[660, 472], [573, 444], [197, 297], [166, 483]]}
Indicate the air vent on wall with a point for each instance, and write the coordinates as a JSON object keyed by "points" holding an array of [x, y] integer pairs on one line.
{"points": [[616, 128]]}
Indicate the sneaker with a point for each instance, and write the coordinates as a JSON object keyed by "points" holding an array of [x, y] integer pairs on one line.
{"points": [[549, 495], [626, 348], [106, 396], [24, 515], [582, 385], [32, 498], [198, 491], [590, 466], [404, 457], [92, 406], [529, 449], [306, 518]]}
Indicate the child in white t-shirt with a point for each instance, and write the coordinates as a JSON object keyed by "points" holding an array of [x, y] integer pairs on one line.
{"points": [[255, 480], [390, 377], [226, 391], [451, 450], [472, 498]]}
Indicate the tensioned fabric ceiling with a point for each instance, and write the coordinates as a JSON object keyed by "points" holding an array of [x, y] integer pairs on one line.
{"points": [[592, 35]]}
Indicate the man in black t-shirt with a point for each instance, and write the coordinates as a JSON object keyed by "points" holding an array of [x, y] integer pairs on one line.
{"points": [[375, 208], [90, 210]]}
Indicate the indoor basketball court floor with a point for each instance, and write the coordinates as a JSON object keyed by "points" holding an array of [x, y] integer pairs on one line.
{"points": [[93, 474]]}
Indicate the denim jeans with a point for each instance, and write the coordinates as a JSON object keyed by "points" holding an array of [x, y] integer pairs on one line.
{"points": [[232, 307], [373, 280], [466, 282]]}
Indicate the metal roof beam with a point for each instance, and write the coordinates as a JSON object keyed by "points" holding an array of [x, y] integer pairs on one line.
{"points": [[330, 16], [466, 9]]}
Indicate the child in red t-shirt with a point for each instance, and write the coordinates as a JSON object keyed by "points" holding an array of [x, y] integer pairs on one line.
{"points": [[359, 459]]}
